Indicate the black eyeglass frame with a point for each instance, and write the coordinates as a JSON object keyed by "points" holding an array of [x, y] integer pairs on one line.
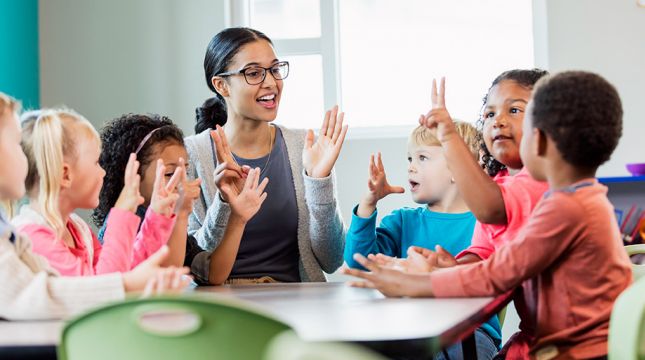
{"points": [[264, 72]]}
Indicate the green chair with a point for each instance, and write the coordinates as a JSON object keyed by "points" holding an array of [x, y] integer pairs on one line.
{"points": [[627, 324], [170, 328], [638, 270], [288, 346]]}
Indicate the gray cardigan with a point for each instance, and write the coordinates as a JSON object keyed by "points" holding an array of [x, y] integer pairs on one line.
{"points": [[321, 231]]}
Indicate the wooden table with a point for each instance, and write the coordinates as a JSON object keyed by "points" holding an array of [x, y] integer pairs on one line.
{"points": [[323, 312]]}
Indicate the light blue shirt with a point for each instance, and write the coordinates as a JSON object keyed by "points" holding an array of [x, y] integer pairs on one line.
{"points": [[413, 226], [407, 227]]}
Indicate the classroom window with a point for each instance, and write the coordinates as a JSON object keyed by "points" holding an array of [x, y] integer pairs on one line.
{"points": [[377, 58]]}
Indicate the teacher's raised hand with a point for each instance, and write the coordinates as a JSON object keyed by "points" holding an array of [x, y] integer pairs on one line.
{"points": [[228, 174], [319, 155]]}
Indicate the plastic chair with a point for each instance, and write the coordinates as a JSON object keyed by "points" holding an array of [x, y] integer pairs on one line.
{"points": [[626, 326], [170, 328], [638, 270], [288, 346]]}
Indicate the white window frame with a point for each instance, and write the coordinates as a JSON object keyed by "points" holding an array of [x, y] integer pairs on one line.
{"points": [[238, 13]]}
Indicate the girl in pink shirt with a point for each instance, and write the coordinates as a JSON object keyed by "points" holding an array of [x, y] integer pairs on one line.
{"points": [[502, 197], [64, 175]]}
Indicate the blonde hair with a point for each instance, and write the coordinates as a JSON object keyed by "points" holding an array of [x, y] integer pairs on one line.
{"points": [[48, 141], [8, 103], [11, 104], [421, 135]]}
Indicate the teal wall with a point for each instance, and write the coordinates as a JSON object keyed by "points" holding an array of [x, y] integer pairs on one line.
{"points": [[19, 51]]}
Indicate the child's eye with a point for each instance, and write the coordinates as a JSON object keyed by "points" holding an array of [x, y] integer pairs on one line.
{"points": [[168, 175], [409, 159], [489, 115], [423, 157], [516, 110]]}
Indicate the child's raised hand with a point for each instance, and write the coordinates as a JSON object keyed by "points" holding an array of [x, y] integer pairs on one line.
{"points": [[377, 184], [130, 197], [246, 204], [164, 197], [438, 117], [188, 191]]}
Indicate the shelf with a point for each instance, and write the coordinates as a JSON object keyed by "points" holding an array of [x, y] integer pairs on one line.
{"points": [[622, 179]]}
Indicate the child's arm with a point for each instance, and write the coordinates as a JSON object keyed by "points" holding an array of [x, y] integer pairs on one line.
{"points": [[365, 238], [177, 243], [30, 291], [480, 192], [244, 205], [516, 261], [159, 219]]}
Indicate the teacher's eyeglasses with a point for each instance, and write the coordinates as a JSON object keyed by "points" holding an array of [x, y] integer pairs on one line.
{"points": [[256, 74]]}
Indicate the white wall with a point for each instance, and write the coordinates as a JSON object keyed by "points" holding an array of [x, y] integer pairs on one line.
{"points": [[605, 36], [106, 58]]}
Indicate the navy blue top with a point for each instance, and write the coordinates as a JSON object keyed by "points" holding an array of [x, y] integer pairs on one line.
{"points": [[269, 245]]}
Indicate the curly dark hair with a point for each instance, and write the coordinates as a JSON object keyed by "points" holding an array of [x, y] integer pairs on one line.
{"points": [[120, 138], [525, 78], [582, 113]]}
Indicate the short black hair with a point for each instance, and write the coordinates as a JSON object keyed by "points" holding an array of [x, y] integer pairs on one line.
{"points": [[121, 137], [524, 77], [582, 113]]}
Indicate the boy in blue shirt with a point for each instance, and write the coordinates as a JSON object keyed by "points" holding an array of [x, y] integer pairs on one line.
{"points": [[444, 220]]}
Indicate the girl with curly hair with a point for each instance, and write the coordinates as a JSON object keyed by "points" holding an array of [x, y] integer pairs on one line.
{"points": [[156, 138]]}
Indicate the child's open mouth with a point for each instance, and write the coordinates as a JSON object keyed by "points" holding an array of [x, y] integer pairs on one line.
{"points": [[414, 186], [267, 101], [501, 138]]}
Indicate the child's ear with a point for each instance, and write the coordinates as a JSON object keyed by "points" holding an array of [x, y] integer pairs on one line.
{"points": [[220, 85], [66, 181], [541, 142]]}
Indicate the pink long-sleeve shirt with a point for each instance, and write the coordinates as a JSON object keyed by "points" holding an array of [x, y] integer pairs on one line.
{"points": [[521, 193], [123, 248], [571, 265]]}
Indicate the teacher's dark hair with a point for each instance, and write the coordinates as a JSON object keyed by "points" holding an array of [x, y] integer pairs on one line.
{"points": [[219, 54]]}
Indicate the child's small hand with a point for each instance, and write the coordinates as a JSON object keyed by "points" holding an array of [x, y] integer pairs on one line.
{"points": [[171, 280], [188, 191], [164, 197], [377, 186], [377, 183], [412, 265], [130, 197], [151, 277], [390, 282], [440, 258], [438, 117], [247, 203]]}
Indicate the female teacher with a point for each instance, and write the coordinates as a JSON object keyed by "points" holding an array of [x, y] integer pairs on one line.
{"points": [[298, 232]]}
